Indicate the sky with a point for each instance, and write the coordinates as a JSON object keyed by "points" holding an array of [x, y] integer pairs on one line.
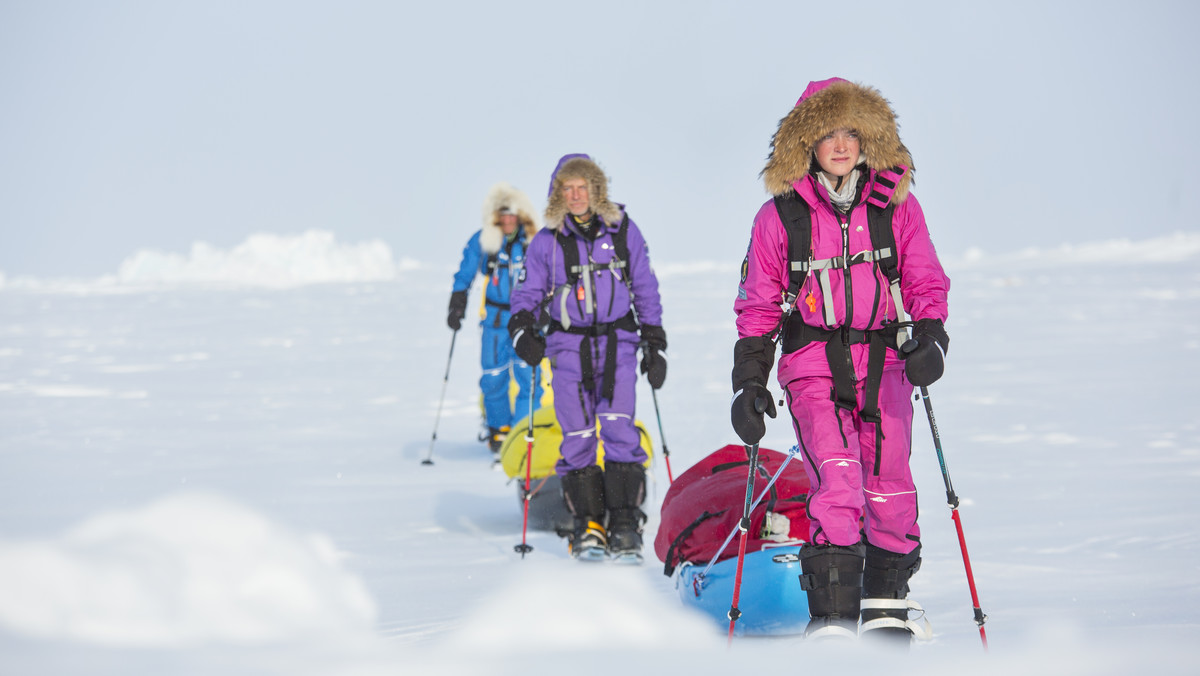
{"points": [[145, 124]]}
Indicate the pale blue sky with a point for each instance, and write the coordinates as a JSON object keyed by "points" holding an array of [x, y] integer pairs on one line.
{"points": [[155, 124]]}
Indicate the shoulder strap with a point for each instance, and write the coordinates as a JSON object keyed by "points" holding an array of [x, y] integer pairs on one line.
{"points": [[797, 222], [621, 239], [883, 239], [570, 255]]}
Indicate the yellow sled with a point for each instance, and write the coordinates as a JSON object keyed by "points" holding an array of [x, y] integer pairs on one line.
{"points": [[547, 436], [546, 508]]}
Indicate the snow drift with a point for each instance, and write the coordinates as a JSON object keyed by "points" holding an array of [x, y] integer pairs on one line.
{"points": [[189, 569]]}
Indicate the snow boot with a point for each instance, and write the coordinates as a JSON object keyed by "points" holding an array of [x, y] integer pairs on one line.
{"points": [[495, 438], [624, 492], [583, 493], [833, 578], [885, 592]]}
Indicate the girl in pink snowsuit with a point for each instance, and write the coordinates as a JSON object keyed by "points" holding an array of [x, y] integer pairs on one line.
{"points": [[836, 166]]}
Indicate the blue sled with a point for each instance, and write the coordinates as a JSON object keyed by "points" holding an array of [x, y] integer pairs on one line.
{"points": [[770, 598]]}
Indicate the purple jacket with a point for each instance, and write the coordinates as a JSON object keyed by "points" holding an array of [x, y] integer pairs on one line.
{"points": [[612, 296]]}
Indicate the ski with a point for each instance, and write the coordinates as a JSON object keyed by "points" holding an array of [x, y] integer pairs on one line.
{"points": [[590, 554], [627, 558]]}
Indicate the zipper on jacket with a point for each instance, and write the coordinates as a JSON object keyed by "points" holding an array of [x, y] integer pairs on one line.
{"points": [[847, 288], [612, 282], [579, 304], [591, 273]]}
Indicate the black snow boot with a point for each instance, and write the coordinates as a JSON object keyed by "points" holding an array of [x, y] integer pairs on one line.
{"points": [[583, 493], [885, 593], [496, 436], [833, 578], [624, 492]]}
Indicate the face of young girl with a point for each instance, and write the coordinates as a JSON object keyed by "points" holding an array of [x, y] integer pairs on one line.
{"points": [[837, 153]]}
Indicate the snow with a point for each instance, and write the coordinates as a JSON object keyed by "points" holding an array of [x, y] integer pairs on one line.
{"points": [[211, 463]]}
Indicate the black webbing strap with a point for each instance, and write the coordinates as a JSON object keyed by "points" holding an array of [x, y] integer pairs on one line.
{"points": [[796, 217], [669, 563], [797, 222], [729, 465], [499, 306], [841, 368], [570, 250], [593, 331]]}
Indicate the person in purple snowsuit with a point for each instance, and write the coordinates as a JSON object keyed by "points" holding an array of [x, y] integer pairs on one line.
{"points": [[837, 165], [588, 286]]}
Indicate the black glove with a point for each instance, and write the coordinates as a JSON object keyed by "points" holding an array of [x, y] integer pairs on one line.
{"points": [[458, 310], [749, 404], [753, 358], [923, 353], [654, 362], [528, 343]]}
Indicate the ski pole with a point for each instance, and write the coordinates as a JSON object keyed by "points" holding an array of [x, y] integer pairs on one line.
{"points": [[952, 500], [524, 548], [744, 527], [429, 456], [666, 453]]}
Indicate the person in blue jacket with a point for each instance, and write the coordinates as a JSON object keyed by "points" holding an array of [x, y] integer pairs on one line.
{"points": [[497, 251]]}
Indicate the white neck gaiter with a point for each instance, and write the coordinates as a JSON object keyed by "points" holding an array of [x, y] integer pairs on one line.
{"points": [[844, 199]]}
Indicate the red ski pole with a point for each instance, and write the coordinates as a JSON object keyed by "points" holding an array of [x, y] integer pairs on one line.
{"points": [[524, 548], [744, 527], [952, 500]]}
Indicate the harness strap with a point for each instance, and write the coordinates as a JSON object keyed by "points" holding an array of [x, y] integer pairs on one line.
{"points": [[837, 354], [593, 331]]}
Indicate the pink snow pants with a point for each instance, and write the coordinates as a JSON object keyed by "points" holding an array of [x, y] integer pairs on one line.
{"points": [[851, 479]]}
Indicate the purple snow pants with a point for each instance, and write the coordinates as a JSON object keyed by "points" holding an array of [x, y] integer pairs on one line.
{"points": [[850, 478], [577, 407]]}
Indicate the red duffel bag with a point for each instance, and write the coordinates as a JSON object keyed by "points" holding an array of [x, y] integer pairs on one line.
{"points": [[705, 504]]}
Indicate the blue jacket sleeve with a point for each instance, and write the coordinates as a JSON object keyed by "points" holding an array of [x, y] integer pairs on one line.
{"points": [[472, 256]]}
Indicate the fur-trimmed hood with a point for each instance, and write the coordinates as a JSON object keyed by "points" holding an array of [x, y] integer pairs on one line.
{"points": [[578, 165], [824, 107], [504, 196]]}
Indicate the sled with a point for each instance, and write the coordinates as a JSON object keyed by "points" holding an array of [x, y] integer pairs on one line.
{"points": [[770, 598], [704, 506], [546, 508]]}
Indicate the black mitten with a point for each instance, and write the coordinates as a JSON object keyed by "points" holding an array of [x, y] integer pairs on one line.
{"points": [[458, 310], [654, 362], [529, 345], [753, 358], [746, 413], [924, 353]]}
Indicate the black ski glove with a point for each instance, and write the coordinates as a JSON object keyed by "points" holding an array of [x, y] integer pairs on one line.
{"points": [[923, 353], [654, 362], [527, 342], [458, 310], [753, 358]]}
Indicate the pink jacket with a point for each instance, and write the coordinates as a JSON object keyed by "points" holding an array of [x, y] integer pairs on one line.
{"points": [[924, 285]]}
